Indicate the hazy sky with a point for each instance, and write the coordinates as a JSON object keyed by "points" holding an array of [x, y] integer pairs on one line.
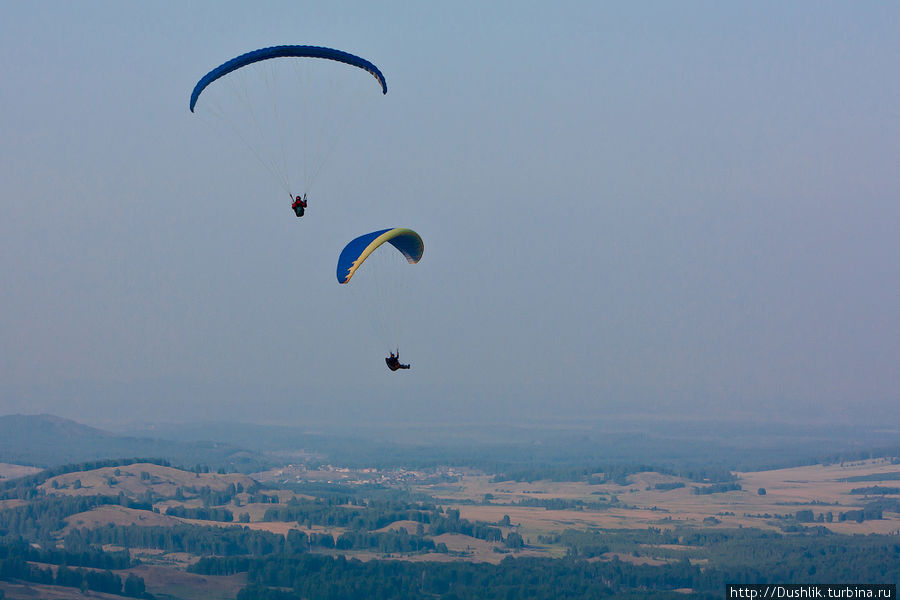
{"points": [[662, 208]]}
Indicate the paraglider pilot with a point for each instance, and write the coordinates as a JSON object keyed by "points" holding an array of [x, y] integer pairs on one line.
{"points": [[393, 361], [299, 205]]}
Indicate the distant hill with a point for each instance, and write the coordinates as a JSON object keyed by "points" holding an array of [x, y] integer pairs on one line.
{"points": [[47, 440], [572, 449], [260, 438]]}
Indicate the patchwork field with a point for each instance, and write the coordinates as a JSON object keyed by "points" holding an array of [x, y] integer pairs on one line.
{"points": [[649, 499], [818, 488], [477, 519]]}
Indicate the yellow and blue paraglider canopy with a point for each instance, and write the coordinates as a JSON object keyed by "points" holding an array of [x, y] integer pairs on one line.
{"points": [[357, 251]]}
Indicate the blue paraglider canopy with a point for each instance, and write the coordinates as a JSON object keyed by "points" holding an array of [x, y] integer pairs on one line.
{"points": [[281, 52]]}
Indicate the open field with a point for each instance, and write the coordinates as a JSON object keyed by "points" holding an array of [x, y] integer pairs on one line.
{"points": [[409, 526], [137, 479], [479, 550], [35, 591], [8, 471], [166, 582], [279, 527], [819, 488], [162, 582], [117, 515]]}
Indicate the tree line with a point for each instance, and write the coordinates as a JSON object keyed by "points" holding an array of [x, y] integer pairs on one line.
{"points": [[17, 563]]}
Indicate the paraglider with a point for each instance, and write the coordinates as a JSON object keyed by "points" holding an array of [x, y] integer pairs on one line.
{"points": [[393, 361], [384, 284], [299, 205], [290, 105]]}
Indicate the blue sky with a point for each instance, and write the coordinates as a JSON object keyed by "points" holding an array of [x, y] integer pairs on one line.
{"points": [[655, 208]]}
